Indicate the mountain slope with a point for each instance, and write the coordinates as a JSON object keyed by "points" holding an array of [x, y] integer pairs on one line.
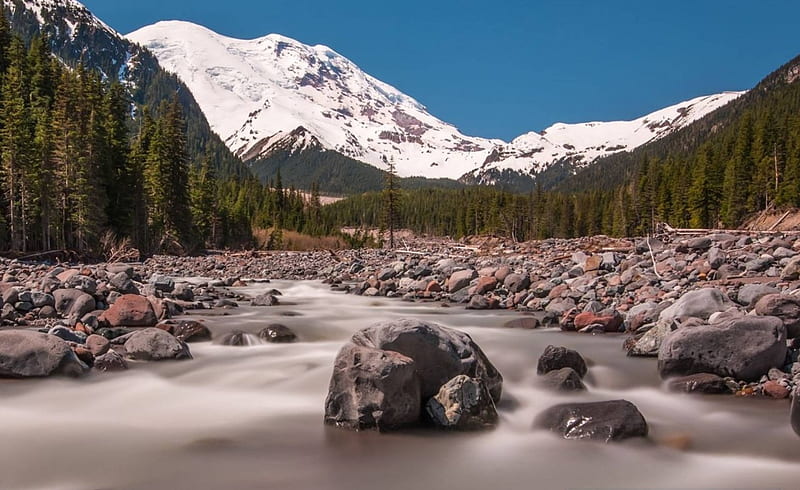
{"points": [[261, 91], [77, 36]]}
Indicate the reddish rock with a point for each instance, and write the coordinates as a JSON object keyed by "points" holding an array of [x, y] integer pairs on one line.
{"points": [[130, 310], [502, 273], [593, 263], [433, 287], [775, 390], [557, 291], [485, 284], [97, 344], [610, 323], [67, 275]]}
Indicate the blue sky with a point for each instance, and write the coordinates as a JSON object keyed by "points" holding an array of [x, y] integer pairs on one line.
{"points": [[501, 68]]}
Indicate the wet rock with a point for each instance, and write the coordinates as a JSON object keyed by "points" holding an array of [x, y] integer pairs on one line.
{"points": [[110, 361], [461, 279], [264, 300], [115, 332], [555, 358], [526, 322], [744, 348], [130, 310], [191, 331], [564, 379], [439, 353], [237, 338], [226, 303], [25, 353], [277, 333], [153, 344], [794, 411], [785, 307], [462, 403], [373, 389], [705, 383], [478, 302], [606, 421]]}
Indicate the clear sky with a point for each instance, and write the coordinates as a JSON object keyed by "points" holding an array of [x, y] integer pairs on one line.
{"points": [[504, 67]]}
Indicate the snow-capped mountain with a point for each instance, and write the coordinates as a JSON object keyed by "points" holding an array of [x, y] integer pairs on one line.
{"points": [[262, 91]]}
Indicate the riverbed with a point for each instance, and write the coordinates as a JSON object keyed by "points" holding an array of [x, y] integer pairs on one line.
{"points": [[251, 417]]}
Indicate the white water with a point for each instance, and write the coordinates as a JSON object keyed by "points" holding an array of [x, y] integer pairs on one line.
{"points": [[251, 417]]}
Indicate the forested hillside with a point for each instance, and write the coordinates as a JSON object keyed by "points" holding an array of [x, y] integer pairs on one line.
{"points": [[738, 160]]}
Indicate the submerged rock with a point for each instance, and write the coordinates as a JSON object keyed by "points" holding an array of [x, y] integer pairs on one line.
{"points": [[555, 358], [606, 421], [564, 379], [277, 333], [705, 383]]}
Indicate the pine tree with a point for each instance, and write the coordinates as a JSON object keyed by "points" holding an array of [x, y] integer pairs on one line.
{"points": [[391, 197]]}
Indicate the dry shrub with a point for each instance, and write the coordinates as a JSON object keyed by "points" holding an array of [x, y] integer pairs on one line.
{"points": [[272, 239]]}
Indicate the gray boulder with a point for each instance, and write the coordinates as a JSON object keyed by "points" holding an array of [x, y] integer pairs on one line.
{"points": [[743, 348], [555, 358], [750, 293], [264, 300], [373, 389], [517, 282], [110, 361], [462, 403], [606, 421], [564, 379], [439, 353], [277, 333], [122, 283], [25, 353], [154, 344], [791, 271], [696, 304]]}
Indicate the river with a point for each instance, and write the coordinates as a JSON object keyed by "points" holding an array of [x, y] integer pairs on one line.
{"points": [[251, 417]]}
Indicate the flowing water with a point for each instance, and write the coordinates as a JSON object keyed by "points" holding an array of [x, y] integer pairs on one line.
{"points": [[251, 417]]}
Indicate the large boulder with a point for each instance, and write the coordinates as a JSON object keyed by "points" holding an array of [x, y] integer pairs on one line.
{"points": [[555, 358], [384, 364], [701, 303], [791, 272], [25, 353], [154, 344], [277, 333], [439, 353], [130, 310], [372, 389], [600, 421], [73, 304], [785, 307], [743, 348], [749, 294], [462, 403]]}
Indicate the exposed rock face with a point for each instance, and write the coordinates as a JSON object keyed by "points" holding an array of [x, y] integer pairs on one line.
{"points": [[743, 348], [462, 403], [387, 372], [25, 353], [373, 389], [555, 358], [600, 421], [154, 344]]}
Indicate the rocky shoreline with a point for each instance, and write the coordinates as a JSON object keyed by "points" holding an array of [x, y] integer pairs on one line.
{"points": [[721, 312]]}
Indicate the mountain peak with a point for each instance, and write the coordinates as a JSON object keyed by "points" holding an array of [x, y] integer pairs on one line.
{"points": [[256, 92]]}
